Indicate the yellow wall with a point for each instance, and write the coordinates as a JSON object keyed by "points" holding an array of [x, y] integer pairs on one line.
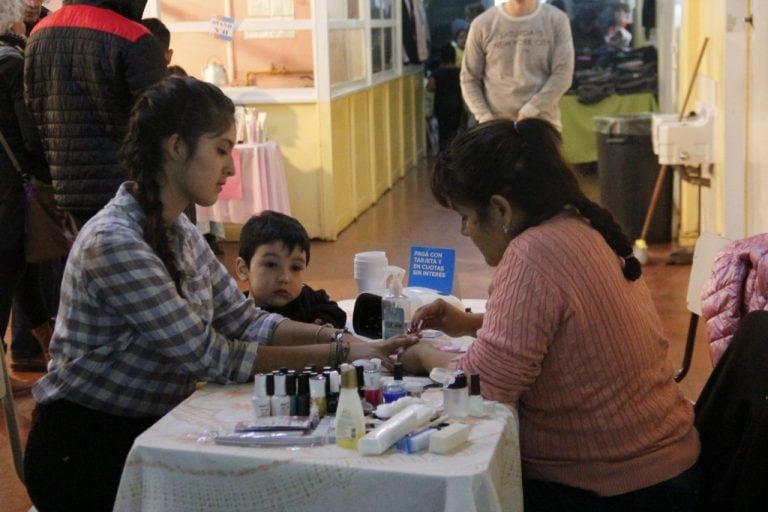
{"points": [[379, 138], [340, 157], [703, 19]]}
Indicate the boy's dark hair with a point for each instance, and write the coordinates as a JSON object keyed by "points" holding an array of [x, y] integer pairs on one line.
{"points": [[159, 30], [270, 226], [447, 54], [176, 70]]}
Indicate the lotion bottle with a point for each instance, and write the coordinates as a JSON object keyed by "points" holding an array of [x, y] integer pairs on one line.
{"points": [[395, 307], [350, 421]]}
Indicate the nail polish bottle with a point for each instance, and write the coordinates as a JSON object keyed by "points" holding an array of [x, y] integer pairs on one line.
{"points": [[302, 396], [334, 388], [372, 378], [476, 407], [394, 390], [281, 404], [290, 390], [317, 396], [260, 399], [359, 375]]}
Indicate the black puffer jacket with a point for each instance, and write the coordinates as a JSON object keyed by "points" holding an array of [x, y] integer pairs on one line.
{"points": [[85, 65], [21, 135]]}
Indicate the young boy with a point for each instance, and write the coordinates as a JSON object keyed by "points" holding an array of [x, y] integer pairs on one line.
{"points": [[274, 253]]}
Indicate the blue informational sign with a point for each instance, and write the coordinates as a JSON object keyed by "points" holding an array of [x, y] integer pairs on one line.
{"points": [[222, 27], [432, 267]]}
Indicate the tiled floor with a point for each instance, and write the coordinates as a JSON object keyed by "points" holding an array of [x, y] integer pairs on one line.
{"points": [[405, 216]]}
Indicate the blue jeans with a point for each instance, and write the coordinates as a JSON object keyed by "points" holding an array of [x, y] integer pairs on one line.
{"points": [[677, 494]]}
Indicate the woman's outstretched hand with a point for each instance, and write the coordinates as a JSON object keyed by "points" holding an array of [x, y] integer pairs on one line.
{"points": [[381, 349]]}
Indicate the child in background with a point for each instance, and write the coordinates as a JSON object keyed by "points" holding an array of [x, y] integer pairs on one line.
{"points": [[619, 33], [449, 107], [163, 35], [459, 30], [274, 253]]}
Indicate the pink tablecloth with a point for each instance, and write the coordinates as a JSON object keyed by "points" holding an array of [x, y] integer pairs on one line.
{"points": [[263, 186]]}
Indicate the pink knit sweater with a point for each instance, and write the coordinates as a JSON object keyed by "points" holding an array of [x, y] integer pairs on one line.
{"points": [[581, 351]]}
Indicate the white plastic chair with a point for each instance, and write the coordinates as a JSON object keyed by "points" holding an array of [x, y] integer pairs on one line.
{"points": [[704, 252]]}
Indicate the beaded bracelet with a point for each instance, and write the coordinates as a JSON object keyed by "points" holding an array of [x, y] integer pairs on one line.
{"points": [[317, 334], [345, 351], [332, 355], [339, 353], [319, 329]]}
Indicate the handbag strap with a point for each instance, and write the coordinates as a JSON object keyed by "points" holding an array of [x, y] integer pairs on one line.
{"points": [[10, 154]]}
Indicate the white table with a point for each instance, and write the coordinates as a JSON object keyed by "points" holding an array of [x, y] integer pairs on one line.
{"points": [[175, 466], [261, 186]]}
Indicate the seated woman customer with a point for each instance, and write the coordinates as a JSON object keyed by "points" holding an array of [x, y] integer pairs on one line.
{"points": [[570, 334], [147, 310]]}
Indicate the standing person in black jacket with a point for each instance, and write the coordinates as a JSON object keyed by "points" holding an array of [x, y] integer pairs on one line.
{"points": [[21, 137], [34, 12], [80, 100], [449, 107]]}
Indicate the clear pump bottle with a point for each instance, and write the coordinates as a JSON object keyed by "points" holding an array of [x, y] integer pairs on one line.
{"points": [[395, 307]]}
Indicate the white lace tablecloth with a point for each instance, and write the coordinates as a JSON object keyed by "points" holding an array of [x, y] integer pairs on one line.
{"points": [[175, 466], [262, 186]]}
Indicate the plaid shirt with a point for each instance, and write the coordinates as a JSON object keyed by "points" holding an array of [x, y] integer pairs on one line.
{"points": [[126, 342]]}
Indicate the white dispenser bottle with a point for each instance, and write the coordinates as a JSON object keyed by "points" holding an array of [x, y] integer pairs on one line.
{"points": [[395, 307]]}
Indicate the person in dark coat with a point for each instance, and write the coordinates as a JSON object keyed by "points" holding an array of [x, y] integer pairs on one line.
{"points": [[732, 420], [274, 253], [16, 275], [34, 12], [80, 100], [449, 107]]}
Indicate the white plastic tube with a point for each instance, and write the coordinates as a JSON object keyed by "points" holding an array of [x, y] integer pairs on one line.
{"points": [[388, 433]]}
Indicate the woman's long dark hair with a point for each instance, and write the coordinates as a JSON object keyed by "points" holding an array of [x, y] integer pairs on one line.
{"points": [[176, 105], [523, 162]]}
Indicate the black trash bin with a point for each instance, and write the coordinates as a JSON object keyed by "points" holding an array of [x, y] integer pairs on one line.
{"points": [[627, 171]]}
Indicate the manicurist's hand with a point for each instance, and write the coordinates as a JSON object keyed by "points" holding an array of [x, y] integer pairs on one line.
{"points": [[446, 318]]}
